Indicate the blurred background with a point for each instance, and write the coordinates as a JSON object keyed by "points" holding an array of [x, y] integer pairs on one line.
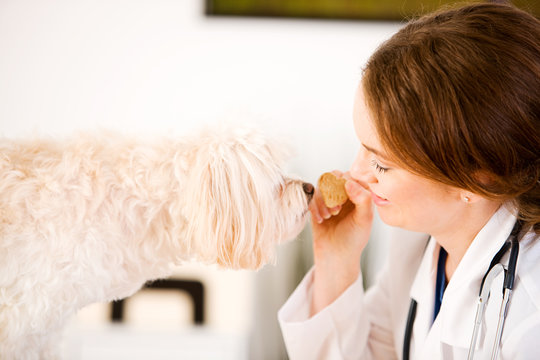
{"points": [[165, 67]]}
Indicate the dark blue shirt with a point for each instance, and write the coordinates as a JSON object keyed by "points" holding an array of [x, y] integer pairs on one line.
{"points": [[440, 284]]}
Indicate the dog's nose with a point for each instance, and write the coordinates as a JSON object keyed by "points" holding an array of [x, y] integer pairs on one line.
{"points": [[309, 190]]}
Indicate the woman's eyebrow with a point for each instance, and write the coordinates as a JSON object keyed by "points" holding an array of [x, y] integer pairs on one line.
{"points": [[376, 152]]}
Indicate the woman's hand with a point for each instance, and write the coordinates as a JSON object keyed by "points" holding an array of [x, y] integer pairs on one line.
{"points": [[339, 237]]}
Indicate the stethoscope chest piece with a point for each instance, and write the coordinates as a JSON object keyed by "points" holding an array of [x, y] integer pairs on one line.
{"points": [[494, 270]]}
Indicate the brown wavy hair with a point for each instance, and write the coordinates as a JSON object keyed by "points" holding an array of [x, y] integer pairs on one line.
{"points": [[455, 97]]}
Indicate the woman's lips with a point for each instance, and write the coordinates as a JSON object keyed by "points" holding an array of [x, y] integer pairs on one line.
{"points": [[379, 201]]}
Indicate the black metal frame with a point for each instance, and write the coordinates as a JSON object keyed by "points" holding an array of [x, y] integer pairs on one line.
{"points": [[194, 288]]}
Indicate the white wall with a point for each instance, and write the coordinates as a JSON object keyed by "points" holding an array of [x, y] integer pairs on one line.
{"points": [[162, 67]]}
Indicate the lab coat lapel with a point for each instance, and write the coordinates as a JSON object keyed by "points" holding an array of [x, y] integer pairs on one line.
{"points": [[423, 291], [458, 310], [454, 324]]}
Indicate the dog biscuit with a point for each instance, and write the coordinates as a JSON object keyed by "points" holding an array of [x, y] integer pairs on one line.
{"points": [[332, 190]]}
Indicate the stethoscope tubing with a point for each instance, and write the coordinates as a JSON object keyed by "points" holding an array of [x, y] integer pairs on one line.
{"points": [[482, 302], [508, 286], [500, 324], [495, 268], [408, 329]]}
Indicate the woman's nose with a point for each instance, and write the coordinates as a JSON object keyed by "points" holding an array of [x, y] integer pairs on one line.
{"points": [[361, 169]]}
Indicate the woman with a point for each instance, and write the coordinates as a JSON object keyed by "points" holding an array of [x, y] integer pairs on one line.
{"points": [[448, 118]]}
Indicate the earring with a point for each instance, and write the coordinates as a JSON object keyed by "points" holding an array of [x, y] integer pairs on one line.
{"points": [[466, 199]]}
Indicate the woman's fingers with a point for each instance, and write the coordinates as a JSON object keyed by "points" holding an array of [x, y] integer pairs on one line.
{"points": [[337, 173], [356, 192], [318, 208], [335, 210], [361, 198], [319, 211]]}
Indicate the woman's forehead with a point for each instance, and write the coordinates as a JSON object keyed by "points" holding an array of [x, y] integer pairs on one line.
{"points": [[363, 124]]}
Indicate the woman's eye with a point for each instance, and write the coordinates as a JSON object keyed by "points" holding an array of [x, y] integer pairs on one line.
{"points": [[378, 167]]}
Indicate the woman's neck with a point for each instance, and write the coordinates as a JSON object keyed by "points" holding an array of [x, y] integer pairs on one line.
{"points": [[461, 233]]}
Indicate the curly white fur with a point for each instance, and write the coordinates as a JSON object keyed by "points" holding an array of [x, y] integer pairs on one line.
{"points": [[93, 218]]}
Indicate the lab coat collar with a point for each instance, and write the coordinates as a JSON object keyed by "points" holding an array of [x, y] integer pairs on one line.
{"points": [[423, 291], [461, 294], [454, 324]]}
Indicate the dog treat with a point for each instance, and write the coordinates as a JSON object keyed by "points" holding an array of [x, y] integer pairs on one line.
{"points": [[332, 190]]}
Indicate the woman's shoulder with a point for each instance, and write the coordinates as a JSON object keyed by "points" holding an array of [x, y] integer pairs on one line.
{"points": [[528, 266], [405, 252], [523, 319], [407, 246]]}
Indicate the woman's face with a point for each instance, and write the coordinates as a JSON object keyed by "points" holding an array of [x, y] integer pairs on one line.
{"points": [[402, 198]]}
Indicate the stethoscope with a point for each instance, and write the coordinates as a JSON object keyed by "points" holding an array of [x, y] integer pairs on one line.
{"points": [[495, 268]]}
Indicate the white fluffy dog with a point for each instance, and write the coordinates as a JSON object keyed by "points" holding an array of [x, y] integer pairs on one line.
{"points": [[92, 219]]}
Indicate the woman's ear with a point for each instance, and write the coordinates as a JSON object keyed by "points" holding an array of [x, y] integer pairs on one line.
{"points": [[485, 180], [469, 197]]}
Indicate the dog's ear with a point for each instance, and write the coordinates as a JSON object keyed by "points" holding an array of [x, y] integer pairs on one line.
{"points": [[227, 201]]}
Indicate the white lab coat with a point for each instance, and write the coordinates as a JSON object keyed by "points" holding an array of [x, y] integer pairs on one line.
{"points": [[371, 325]]}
